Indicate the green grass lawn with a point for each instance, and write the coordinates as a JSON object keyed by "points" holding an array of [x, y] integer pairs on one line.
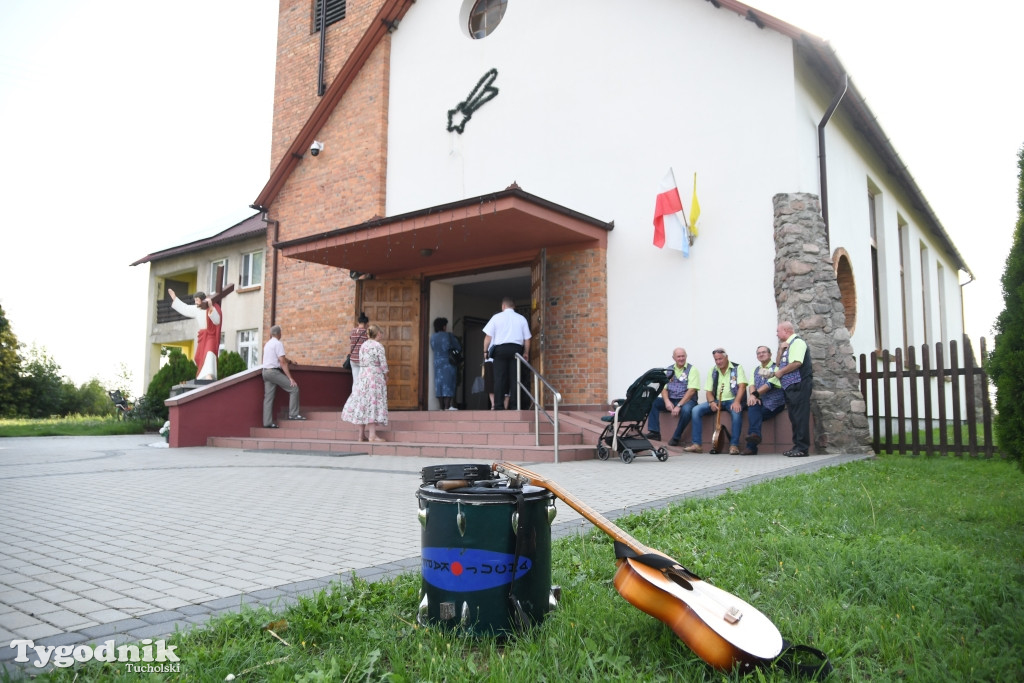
{"points": [[898, 568], [75, 425]]}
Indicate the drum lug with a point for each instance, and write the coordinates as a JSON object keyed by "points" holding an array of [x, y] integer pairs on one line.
{"points": [[551, 511], [460, 520], [422, 612], [464, 621], [515, 523], [554, 597], [422, 514]]}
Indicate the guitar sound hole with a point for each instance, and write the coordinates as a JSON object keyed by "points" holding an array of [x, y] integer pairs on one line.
{"points": [[680, 580]]}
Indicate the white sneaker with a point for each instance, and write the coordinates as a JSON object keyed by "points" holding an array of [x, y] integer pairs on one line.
{"points": [[453, 408]]}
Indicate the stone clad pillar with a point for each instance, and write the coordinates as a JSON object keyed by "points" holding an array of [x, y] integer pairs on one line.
{"points": [[807, 293]]}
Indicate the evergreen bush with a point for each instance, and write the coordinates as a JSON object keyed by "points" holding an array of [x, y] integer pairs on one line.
{"points": [[177, 370], [1006, 362], [229, 363]]}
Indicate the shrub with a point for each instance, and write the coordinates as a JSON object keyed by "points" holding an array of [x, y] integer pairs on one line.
{"points": [[177, 370], [229, 363], [1006, 362]]}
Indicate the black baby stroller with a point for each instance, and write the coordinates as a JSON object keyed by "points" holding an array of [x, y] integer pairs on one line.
{"points": [[624, 435]]}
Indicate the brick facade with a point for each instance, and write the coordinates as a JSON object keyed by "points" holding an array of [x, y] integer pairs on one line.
{"points": [[346, 184], [576, 335]]}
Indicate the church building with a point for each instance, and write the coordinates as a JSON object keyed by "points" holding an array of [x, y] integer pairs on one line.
{"points": [[431, 157]]}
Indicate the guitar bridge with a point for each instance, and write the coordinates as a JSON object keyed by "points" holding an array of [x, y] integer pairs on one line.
{"points": [[732, 615]]}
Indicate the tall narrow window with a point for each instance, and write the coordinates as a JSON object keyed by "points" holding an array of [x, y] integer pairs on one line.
{"points": [[213, 274], [940, 280], [252, 269], [926, 294], [902, 232], [876, 284], [249, 347], [335, 12], [485, 16]]}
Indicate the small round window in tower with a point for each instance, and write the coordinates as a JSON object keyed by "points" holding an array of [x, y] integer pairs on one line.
{"points": [[847, 288], [484, 17]]}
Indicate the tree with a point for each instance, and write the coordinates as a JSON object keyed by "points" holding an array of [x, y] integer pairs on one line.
{"points": [[45, 391], [1006, 362], [177, 370], [229, 363], [10, 369], [87, 399]]}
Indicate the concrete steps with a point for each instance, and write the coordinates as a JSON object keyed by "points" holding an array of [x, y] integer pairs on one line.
{"points": [[459, 435]]}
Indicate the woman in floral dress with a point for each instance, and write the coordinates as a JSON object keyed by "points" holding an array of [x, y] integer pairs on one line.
{"points": [[368, 404]]}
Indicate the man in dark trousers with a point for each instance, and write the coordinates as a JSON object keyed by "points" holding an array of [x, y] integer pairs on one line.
{"points": [[506, 334], [796, 375]]}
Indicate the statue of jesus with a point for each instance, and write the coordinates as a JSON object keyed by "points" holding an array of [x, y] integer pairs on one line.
{"points": [[208, 336]]}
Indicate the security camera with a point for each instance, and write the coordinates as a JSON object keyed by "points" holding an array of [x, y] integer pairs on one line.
{"points": [[315, 148]]}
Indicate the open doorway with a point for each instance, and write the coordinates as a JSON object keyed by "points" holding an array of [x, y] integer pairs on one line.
{"points": [[469, 301]]}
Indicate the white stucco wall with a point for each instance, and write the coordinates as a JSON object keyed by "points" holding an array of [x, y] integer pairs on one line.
{"points": [[597, 99], [853, 168]]}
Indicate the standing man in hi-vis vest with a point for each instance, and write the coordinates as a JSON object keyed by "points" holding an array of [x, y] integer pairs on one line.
{"points": [[796, 375]]}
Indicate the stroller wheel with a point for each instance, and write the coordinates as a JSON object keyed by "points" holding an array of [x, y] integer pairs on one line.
{"points": [[603, 451], [662, 454], [628, 455]]}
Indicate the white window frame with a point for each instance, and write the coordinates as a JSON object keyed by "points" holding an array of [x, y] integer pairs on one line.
{"points": [[249, 347], [251, 276], [213, 274]]}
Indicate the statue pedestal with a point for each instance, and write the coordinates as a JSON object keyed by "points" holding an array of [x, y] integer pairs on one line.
{"points": [[179, 389]]}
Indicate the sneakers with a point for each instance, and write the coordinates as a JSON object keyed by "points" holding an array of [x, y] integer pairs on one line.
{"points": [[270, 426], [653, 435], [734, 450], [673, 442], [453, 408], [297, 417], [795, 454], [693, 448]]}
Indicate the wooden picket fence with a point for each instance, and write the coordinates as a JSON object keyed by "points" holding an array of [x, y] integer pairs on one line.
{"points": [[930, 395]]}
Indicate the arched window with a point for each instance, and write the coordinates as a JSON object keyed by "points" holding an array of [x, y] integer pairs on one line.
{"points": [[847, 287], [485, 16]]}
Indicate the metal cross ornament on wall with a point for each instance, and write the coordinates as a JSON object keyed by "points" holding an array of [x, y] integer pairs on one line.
{"points": [[480, 95]]}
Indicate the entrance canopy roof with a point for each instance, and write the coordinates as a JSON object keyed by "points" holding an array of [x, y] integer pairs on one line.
{"points": [[505, 227]]}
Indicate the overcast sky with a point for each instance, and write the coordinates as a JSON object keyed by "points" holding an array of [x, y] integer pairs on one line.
{"points": [[130, 126]]}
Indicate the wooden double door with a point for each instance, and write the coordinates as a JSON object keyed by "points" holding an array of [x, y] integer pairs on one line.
{"points": [[394, 305]]}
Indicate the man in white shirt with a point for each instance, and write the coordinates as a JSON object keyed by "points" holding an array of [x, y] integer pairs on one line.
{"points": [[506, 334], [276, 374]]}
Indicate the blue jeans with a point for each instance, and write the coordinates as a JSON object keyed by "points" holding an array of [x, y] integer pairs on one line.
{"points": [[705, 408], [755, 416], [654, 419]]}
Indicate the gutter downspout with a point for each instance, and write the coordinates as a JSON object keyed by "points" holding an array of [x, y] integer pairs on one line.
{"points": [[822, 168], [273, 289]]}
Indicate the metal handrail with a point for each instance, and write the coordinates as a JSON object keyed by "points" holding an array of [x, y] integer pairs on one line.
{"points": [[537, 403]]}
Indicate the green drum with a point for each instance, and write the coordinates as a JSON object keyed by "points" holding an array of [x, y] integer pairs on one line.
{"points": [[470, 547]]}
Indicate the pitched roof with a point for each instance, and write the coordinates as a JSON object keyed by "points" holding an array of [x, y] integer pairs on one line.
{"points": [[817, 52], [252, 226]]}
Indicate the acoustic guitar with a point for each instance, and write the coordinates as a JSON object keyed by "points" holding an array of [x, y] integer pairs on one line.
{"points": [[720, 439], [721, 629]]}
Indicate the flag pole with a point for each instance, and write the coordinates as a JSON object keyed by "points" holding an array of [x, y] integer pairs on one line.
{"points": [[686, 223]]}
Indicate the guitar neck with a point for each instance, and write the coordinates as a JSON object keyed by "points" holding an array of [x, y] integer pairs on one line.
{"points": [[594, 517]]}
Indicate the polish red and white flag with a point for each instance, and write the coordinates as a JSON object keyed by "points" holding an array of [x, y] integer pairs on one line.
{"points": [[670, 229]]}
